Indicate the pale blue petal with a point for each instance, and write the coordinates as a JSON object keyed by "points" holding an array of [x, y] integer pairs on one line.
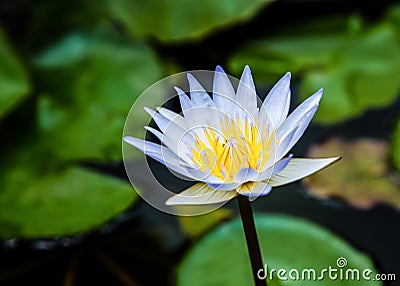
{"points": [[246, 95], [297, 115], [281, 149], [223, 93], [172, 116], [155, 132], [174, 136], [277, 102], [299, 168], [160, 154], [186, 104], [206, 177], [198, 94], [200, 194], [162, 122], [300, 128], [278, 167], [245, 175], [254, 190], [223, 186]]}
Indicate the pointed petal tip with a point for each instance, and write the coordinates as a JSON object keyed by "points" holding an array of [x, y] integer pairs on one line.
{"points": [[170, 202], [316, 97], [126, 138], [194, 84], [299, 168], [329, 161], [174, 201], [177, 200], [131, 140], [246, 73], [178, 90], [190, 77], [219, 69], [288, 75], [149, 111]]}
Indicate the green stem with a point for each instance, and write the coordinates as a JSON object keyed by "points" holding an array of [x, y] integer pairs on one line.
{"points": [[251, 238]]}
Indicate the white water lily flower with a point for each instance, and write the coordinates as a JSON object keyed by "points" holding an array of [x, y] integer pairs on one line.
{"points": [[228, 144]]}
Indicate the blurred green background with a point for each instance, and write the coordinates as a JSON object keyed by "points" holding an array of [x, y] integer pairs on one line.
{"points": [[69, 72]]}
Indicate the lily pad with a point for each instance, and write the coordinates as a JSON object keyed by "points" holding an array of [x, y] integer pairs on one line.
{"points": [[45, 200], [14, 84], [221, 257], [361, 178], [87, 84], [336, 61], [170, 20]]}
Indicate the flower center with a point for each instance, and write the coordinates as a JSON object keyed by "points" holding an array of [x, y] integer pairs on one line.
{"points": [[237, 143]]}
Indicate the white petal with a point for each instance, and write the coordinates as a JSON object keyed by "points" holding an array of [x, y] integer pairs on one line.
{"points": [[223, 186], [174, 137], [198, 94], [162, 122], [223, 93], [278, 167], [283, 146], [254, 189], [245, 175], [299, 168], [186, 104], [210, 179], [155, 132], [172, 116], [197, 117], [246, 95], [279, 150], [304, 108], [160, 154], [301, 126], [177, 143], [277, 102], [200, 194]]}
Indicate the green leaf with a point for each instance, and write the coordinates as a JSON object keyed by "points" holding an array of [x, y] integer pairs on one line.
{"points": [[88, 84], [336, 103], [221, 257], [368, 76], [361, 181], [14, 85], [170, 20], [47, 202], [358, 70]]}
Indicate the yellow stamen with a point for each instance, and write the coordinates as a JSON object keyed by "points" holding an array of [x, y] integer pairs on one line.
{"points": [[238, 144]]}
